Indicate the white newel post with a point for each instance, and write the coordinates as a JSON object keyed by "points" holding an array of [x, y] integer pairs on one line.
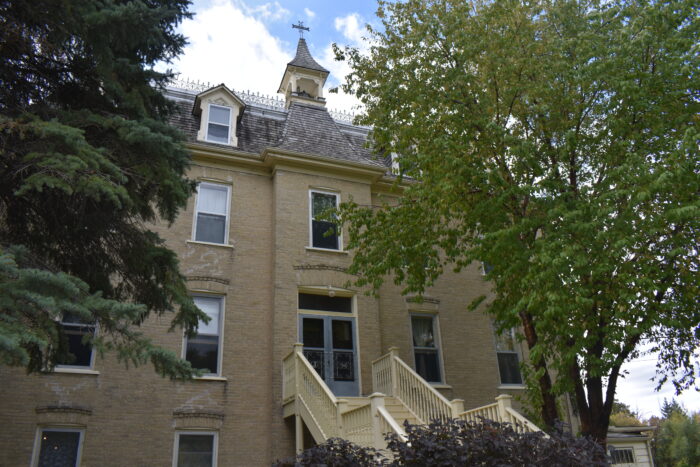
{"points": [[298, 425], [394, 352], [377, 400], [342, 408], [505, 401], [457, 407]]}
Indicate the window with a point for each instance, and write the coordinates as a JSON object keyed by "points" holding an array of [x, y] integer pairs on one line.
{"points": [[203, 350], [508, 359], [426, 350], [195, 449], [324, 233], [81, 354], [219, 124], [486, 268], [315, 302], [211, 216], [621, 455], [59, 448]]}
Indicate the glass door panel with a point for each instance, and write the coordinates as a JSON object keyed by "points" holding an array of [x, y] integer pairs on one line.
{"points": [[329, 345]]}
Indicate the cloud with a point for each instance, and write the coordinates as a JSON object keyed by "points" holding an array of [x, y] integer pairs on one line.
{"points": [[637, 389], [351, 26], [272, 11], [309, 13], [230, 43]]}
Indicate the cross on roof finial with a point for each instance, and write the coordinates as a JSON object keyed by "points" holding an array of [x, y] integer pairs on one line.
{"points": [[300, 26]]}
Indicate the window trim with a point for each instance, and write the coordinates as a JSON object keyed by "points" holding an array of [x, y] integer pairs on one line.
{"points": [[311, 220], [215, 444], [219, 356], [197, 211], [69, 368], [438, 345], [518, 354], [36, 452], [209, 122], [631, 449]]}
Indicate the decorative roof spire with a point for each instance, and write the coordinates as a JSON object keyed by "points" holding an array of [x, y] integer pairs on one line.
{"points": [[300, 26], [303, 58], [303, 78]]}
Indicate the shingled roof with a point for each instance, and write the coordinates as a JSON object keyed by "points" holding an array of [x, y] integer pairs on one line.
{"points": [[303, 58], [311, 130]]}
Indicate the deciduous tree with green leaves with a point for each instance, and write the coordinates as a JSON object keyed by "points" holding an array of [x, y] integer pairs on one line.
{"points": [[87, 161], [558, 142]]}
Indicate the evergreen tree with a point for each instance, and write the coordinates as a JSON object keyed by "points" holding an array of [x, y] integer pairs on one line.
{"points": [[87, 162], [677, 440], [556, 141]]}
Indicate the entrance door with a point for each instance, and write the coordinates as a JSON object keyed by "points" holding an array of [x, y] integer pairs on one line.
{"points": [[329, 345]]}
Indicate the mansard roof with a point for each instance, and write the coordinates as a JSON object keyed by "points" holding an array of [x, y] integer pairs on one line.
{"points": [[303, 58], [303, 128]]}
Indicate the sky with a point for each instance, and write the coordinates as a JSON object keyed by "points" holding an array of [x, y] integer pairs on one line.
{"points": [[247, 44]]}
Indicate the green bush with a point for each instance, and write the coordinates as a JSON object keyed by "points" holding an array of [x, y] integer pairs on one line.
{"points": [[459, 443]]}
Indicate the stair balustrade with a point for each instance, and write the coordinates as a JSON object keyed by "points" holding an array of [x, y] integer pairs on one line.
{"points": [[367, 425]]}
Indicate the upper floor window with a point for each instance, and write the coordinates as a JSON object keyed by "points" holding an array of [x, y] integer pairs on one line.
{"points": [[508, 358], [211, 214], [204, 349], [76, 330], [219, 125], [324, 233], [426, 349]]}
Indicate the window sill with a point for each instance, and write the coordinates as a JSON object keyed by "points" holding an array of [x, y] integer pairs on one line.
{"points": [[221, 245], [209, 378], [512, 386], [77, 371], [326, 250]]}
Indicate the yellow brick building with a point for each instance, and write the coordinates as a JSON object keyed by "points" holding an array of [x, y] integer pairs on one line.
{"points": [[259, 262]]}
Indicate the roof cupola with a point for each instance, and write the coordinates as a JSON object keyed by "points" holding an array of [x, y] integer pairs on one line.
{"points": [[303, 78]]}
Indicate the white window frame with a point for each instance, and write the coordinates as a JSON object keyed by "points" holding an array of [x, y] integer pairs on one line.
{"points": [[216, 186], [70, 367], [219, 355], [516, 346], [612, 447], [438, 344], [215, 447], [311, 219], [209, 122], [36, 454]]}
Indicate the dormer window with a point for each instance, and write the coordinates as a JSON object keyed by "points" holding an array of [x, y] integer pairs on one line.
{"points": [[219, 124], [218, 109]]}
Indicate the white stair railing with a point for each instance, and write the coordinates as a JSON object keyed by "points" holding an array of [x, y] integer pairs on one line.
{"points": [[314, 400], [328, 417], [501, 411], [393, 377]]}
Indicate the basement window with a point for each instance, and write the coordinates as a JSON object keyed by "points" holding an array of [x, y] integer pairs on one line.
{"points": [[195, 449]]}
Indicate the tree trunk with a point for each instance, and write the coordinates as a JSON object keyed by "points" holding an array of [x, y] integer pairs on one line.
{"points": [[549, 411]]}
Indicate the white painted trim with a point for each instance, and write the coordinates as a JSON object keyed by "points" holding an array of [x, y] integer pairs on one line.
{"points": [[438, 344], [230, 114], [89, 369], [227, 221], [215, 444], [75, 370], [222, 312], [311, 220], [327, 250], [37, 441], [219, 245]]}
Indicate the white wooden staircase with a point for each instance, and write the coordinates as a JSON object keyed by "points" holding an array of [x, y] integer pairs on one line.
{"points": [[399, 394]]}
